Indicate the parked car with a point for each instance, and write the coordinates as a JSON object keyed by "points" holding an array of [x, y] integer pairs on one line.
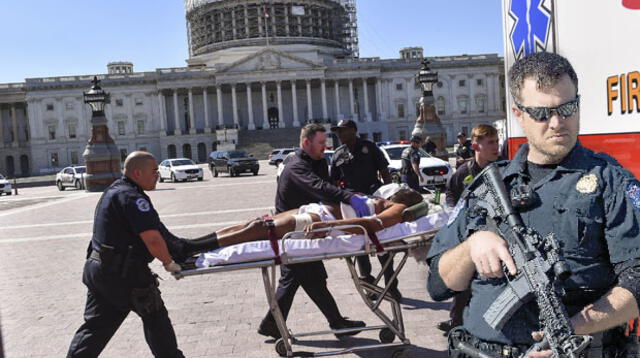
{"points": [[71, 177], [234, 162], [434, 171], [5, 186], [327, 156], [179, 169], [277, 156]]}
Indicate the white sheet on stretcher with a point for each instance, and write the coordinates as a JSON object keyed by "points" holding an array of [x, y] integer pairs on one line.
{"points": [[261, 250]]}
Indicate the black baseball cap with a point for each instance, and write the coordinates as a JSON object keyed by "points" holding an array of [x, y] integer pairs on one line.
{"points": [[345, 123], [461, 135]]}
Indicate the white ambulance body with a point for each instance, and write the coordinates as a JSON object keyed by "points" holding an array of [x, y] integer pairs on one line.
{"points": [[601, 40]]}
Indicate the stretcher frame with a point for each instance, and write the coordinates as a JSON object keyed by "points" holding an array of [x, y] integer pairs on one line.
{"points": [[372, 294]]}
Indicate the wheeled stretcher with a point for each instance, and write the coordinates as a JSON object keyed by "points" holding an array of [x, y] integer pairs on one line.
{"points": [[396, 240]]}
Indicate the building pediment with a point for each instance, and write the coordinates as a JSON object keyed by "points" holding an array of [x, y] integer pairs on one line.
{"points": [[269, 60]]}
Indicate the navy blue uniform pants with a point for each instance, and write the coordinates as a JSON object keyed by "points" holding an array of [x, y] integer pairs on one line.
{"points": [[412, 181], [364, 266], [108, 304], [313, 279]]}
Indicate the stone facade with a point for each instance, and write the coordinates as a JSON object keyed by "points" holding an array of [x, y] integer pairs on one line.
{"points": [[190, 111]]}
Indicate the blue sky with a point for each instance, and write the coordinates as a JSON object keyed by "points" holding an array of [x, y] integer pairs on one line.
{"points": [[42, 38]]}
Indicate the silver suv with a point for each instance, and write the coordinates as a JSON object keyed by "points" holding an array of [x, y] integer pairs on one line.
{"points": [[71, 177], [277, 156]]}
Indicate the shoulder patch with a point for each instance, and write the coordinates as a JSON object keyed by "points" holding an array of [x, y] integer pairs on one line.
{"points": [[143, 205], [633, 192]]}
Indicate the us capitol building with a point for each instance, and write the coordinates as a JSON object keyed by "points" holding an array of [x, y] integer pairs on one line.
{"points": [[256, 72]]}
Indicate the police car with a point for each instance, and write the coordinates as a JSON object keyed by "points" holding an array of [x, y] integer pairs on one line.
{"points": [[71, 177], [434, 171], [5, 186], [179, 169]]}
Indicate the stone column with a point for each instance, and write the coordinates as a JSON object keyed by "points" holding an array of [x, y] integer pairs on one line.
{"points": [[1, 129], [378, 99], [176, 114], [234, 103], [365, 94], [281, 123], [14, 126], [496, 91], [205, 101], [265, 114], [192, 120], [163, 114], [219, 101], [336, 90], [352, 102], [472, 101], [309, 104], [132, 124], [294, 95], [323, 94], [251, 125]]}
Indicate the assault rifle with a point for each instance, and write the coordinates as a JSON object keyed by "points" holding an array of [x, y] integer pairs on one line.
{"points": [[541, 269]]}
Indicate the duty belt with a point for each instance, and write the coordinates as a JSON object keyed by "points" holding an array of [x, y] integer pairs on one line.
{"points": [[95, 255], [463, 344]]}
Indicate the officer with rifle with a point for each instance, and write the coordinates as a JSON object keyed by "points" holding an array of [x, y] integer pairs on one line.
{"points": [[549, 243]]}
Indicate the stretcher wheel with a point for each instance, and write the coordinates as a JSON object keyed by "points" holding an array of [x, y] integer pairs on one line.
{"points": [[386, 335], [401, 353], [281, 349]]}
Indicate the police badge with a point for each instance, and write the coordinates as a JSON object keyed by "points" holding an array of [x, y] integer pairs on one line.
{"points": [[587, 184]]}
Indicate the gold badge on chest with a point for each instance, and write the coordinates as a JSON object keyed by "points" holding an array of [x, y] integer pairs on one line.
{"points": [[587, 184]]}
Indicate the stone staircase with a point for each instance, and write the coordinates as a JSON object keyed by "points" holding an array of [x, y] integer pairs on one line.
{"points": [[262, 142]]}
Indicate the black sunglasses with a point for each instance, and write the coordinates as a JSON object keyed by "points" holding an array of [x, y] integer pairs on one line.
{"points": [[542, 114]]}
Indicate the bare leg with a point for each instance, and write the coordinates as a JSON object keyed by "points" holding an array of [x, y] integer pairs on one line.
{"points": [[256, 230]]}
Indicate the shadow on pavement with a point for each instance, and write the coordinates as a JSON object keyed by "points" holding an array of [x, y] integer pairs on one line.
{"points": [[414, 304]]}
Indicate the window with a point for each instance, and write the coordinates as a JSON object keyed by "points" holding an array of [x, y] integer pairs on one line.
{"points": [[399, 86], [52, 131], [479, 82], [440, 106], [69, 106], [139, 102], [49, 106], [74, 157], [400, 110], [120, 127], [123, 154], [140, 124], [53, 160], [377, 136], [72, 130], [462, 83], [119, 102], [463, 103], [481, 103]]}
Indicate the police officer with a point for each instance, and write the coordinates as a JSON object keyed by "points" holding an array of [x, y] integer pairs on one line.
{"points": [[126, 238], [589, 202], [430, 147], [305, 179], [355, 166], [410, 171], [484, 141], [464, 153]]}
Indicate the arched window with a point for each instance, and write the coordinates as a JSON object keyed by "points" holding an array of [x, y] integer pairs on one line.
{"points": [[463, 104], [186, 151], [171, 151], [202, 153], [481, 103], [24, 165]]}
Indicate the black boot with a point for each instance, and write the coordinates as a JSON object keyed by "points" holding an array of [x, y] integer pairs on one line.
{"points": [[181, 249], [346, 323]]}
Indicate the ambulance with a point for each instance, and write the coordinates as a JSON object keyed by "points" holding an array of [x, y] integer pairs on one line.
{"points": [[600, 39]]}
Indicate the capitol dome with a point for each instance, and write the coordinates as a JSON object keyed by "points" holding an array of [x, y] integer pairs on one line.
{"points": [[221, 31]]}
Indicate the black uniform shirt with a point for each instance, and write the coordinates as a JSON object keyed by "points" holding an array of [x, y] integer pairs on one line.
{"points": [[464, 151], [305, 181], [123, 212], [359, 169], [460, 179]]}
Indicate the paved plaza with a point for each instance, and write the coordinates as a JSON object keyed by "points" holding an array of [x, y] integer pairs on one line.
{"points": [[43, 238]]}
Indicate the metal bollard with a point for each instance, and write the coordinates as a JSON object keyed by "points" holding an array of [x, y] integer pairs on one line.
{"points": [[15, 186]]}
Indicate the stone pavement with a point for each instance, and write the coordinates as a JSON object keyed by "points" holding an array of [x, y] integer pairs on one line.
{"points": [[43, 238]]}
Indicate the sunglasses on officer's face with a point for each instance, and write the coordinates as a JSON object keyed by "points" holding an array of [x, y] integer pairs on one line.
{"points": [[542, 114]]}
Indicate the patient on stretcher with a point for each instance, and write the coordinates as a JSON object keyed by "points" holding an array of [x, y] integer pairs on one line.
{"points": [[386, 207]]}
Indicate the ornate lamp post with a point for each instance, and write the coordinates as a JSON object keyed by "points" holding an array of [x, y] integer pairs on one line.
{"points": [[428, 123], [101, 154]]}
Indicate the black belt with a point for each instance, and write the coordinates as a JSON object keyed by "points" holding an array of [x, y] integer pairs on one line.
{"points": [[465, 343]]}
